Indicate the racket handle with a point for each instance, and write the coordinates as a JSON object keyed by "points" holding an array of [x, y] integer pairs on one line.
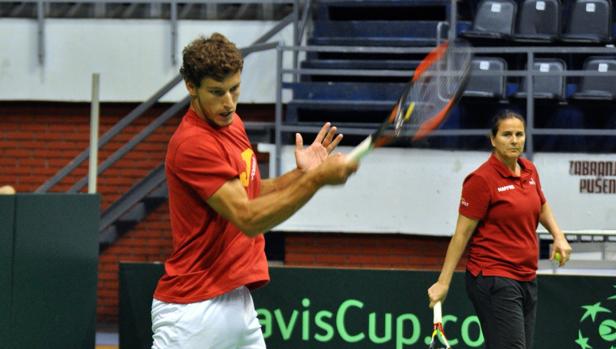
{"points": [[361, 150], [438, 312]]}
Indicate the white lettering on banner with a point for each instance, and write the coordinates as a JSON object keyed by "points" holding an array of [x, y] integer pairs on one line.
{"points": [[505, 188]]}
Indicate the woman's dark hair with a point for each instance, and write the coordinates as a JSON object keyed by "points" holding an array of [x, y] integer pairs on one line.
{"points": [[503, 115], [215, 57]]}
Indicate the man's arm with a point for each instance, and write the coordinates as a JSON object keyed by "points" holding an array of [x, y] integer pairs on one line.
{"points": [[273, 184], [268, 210]]}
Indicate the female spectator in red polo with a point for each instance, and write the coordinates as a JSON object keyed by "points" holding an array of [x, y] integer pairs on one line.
{"points": [[500, 208]]}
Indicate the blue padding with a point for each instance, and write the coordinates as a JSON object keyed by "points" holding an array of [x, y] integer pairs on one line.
{"points": [[346, 91]]}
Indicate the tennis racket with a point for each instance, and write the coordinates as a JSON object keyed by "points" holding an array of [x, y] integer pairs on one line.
{"points": [[439, 340], [437, 84]]}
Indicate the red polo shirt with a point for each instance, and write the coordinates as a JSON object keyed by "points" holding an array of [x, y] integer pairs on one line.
{"points": [[210, 255], [508, 208]]}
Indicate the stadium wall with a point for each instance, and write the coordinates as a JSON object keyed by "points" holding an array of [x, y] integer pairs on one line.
{"points": [[133, 58]]}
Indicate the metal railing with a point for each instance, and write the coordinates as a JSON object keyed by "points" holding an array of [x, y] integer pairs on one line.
{"points": [[529, 73]]}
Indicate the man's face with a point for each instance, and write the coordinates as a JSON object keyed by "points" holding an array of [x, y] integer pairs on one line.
{"points": [[215, 101]]}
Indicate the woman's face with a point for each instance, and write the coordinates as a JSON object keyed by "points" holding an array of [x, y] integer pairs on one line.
{"points": [[509, 140]]}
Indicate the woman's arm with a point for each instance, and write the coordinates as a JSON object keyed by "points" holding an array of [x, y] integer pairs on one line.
{"points": [[560, 245], [464, 230]]}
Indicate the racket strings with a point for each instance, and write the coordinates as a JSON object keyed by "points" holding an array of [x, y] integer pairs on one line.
{"points": [[435, 90]]}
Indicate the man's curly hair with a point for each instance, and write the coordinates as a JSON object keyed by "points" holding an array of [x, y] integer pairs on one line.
{"points": [[215, 57]]}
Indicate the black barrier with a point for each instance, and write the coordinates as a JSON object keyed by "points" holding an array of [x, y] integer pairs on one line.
{"points": [[53, 271], [137, 284], [382, 309], [7, 221]]}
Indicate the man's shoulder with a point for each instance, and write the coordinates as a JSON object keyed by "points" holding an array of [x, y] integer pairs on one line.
{"points": [[188, 138]]}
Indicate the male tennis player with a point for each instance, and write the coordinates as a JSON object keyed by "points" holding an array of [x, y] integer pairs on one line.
{"points": [[220, 208]]}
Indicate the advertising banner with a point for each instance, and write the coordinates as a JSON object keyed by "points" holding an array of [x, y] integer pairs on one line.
{"points": [[305, 308], [333, 308], [417, 191]]}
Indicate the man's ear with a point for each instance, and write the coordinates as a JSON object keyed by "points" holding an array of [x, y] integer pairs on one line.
{"points": [[192, 89]]}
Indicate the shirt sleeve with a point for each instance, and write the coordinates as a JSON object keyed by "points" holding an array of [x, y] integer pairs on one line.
{"points": [[203, 166], [475, 197], [539, 188]]}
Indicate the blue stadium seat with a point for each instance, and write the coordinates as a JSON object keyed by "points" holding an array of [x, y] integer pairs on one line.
{"points": [[495, 19], [487, 86], [546, 87], [538, 21], [590, 21], [598, 87]]}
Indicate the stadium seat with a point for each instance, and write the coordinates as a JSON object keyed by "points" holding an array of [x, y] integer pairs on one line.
{"points": [[538, 21], [598, 87], [590, 21], [546, 87], [487, 86], [494, 20]]}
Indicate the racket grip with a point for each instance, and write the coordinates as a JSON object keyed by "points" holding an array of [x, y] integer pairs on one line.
{"points": [[360, 150], [438, 312]]}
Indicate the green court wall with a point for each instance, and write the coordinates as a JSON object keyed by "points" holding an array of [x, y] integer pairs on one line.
{"points": [[48, 270], [381, 309]]}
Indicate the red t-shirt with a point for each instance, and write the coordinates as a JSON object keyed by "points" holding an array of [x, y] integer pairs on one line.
{"points": [[210, 255], [508, 208]]}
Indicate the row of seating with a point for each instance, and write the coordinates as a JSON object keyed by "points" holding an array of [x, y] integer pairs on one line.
{"points": [[539, 21], [554, 87]]}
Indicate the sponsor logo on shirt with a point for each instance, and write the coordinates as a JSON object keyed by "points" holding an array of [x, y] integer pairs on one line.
{"points": [[532, 181], [463, 202], [254, 168], [505, 188], [251, 167]]}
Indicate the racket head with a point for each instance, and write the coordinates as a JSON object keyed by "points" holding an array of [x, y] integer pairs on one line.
{"points": [[437, 85], [425, 102]]}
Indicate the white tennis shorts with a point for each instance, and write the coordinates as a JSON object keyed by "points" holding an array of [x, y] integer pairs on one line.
{"points": [[225, 322]]}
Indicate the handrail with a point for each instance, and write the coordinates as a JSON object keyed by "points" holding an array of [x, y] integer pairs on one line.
{"points": [[303, 21], [118, 154], [258, 45], [105, 138], [132, 197], [475, 49]]}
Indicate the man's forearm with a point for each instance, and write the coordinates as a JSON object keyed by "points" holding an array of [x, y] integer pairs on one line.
{"points": [[271, 209], [273, 184]]}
